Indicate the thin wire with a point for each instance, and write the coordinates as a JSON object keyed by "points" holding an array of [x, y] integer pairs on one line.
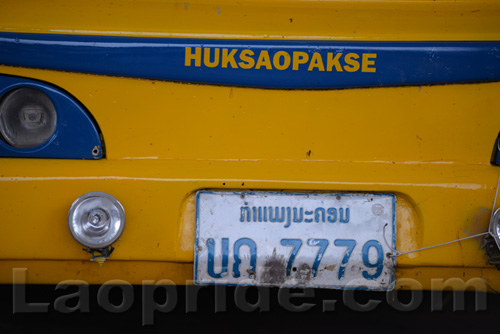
{"points": [[495, 201], [396, 253]]}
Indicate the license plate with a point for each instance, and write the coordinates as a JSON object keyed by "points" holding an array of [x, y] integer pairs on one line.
{"points": [[324, 240]]}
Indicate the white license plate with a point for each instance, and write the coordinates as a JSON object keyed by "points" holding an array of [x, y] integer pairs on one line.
{"points": [[325, 240]]}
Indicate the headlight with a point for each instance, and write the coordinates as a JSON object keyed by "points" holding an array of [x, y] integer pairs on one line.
{"points": [[495, 227], [39, 120], [27, 118], [96, 220]]}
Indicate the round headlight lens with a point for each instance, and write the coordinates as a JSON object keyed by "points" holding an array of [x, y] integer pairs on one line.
{"points": [[96, 220], [27, 118], [495, 227]]}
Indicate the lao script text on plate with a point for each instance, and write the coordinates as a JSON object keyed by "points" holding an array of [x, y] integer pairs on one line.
{"points": [[295, 239]]}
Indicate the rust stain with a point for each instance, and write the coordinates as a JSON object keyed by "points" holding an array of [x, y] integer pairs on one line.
{"points": [[330, 267], [274, 270], [304, 273]]}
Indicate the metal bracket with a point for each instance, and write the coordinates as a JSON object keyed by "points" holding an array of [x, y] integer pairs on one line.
{"points": [[102, 254], [492, 251]]}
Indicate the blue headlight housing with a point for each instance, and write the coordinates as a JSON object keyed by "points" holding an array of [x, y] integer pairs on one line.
{"points": [[38, 120], [495, 155]]}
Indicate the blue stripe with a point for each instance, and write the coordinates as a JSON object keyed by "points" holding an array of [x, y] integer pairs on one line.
{"points": [[396, 63]]}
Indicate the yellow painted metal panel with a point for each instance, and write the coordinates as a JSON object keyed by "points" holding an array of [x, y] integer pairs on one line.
{"points": [[437, 199], [132, 272], [277, 19], [452, 124], [430, 145], [431, 208]]}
